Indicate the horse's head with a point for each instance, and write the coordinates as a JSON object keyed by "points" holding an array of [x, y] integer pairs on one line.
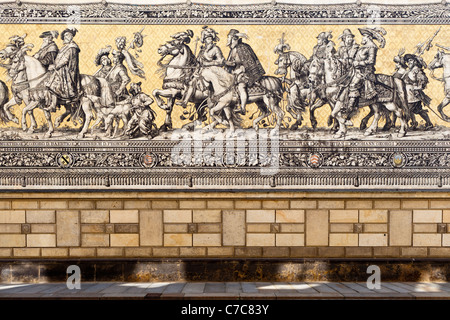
{"points": [[169, 48], [283, 62], [9, 52], [437, 61], [315, 71]]}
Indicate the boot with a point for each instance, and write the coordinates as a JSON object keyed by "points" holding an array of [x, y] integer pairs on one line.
{"points": [[424, 115]]}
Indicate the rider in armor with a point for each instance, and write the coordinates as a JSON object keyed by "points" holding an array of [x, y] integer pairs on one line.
{"points": [[210, 55], [416, 81], [364, 63], [49, 50], [243, 62]]}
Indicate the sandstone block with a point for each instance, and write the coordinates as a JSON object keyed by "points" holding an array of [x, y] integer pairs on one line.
{"points": [[151, 227], [258, 216], [206, 216], [233, 227], [414, 204], [427, 240], [290, 239], [10, 228], [425, 227], [303, 204], [248, 204], [53, 204], [12, 240], [94, 240], [258, 227], [192, 252], [177, 240], [290, 216], [400, 227], [164, 204], [25, 204], [220, 204], [177, 216], [358, 204], [175, 228], [341, 227], [343, 216], [275, 204], [331, 204], [54, 252], [192, 204], [207, 239], [292, 227], [124, 216], [209, 228], [373, 216], [375, 227], [220, 251], [67, 228], [26, 252], [40, 216], [81, 204], [12, 216], [316, 227], [387, 204], [109, 204], [343, 239], [260, 239], [41, 240], [82, 252], [109, 252], [373, 239], [427, 216], [94, 216], [124, 240]]}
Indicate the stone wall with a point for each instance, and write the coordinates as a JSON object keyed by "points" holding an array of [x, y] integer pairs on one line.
{"points": [[224, 225]]}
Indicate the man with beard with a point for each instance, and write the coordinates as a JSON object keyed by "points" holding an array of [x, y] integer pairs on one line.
{"points": [[243, 62], [65, 81], [49, 50]]}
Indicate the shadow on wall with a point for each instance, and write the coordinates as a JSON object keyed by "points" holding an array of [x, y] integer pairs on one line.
{"points": [[252, 269]]}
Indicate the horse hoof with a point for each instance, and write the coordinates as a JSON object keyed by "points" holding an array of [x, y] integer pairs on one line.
{"points": [[47, 135], [401, 134], [338, 135], [348, 123], [30, 130], [15, 120], [368, 133]]}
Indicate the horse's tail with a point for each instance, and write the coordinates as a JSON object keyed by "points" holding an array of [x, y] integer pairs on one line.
{"points": [[4, 97]]}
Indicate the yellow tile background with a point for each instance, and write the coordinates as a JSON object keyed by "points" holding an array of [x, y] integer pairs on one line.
{"points": [[263, 39]]}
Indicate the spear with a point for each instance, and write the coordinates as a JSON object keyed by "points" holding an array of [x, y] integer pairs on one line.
{"points": [[426, 46]]}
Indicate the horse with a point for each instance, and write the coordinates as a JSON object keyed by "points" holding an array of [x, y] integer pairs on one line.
{"points": [[442, 60], [28, 85], [225, 97], [296, 65], [177, 73], [336, 79]]}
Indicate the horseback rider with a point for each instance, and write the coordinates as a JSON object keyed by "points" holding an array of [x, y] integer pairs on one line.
{"points": [[118, 77], [319, 50], [244, 64], [49, 50], [210, 55], [102, 59], [416, 81], [347, 48], [364, 64], [65, 81]]}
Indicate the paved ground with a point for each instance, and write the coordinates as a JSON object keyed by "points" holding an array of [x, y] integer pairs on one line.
{"points": [[227, 290]]}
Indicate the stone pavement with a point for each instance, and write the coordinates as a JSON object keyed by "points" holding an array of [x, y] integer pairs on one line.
{"points": [[227, 290]]}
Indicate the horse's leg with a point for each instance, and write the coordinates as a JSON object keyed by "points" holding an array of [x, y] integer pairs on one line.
{"points": [[28, 108], [365, 120], [87, 107], [7, 110], [441, 107], [398, 112], [312, 117], [337, 115], [374, 126], [263, 113], [51, 129], [60, 119]]}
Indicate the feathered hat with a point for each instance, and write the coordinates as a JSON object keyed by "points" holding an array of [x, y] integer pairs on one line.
{"points": [[376, 33]]}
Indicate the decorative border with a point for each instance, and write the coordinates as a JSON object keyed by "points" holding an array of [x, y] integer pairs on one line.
{"points": [[193, 13]]}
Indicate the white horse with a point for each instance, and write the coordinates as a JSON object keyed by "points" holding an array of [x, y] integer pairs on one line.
{"points": [[177, 73], [225, 97], [442, 60], [336, 85], [28, 77]]}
